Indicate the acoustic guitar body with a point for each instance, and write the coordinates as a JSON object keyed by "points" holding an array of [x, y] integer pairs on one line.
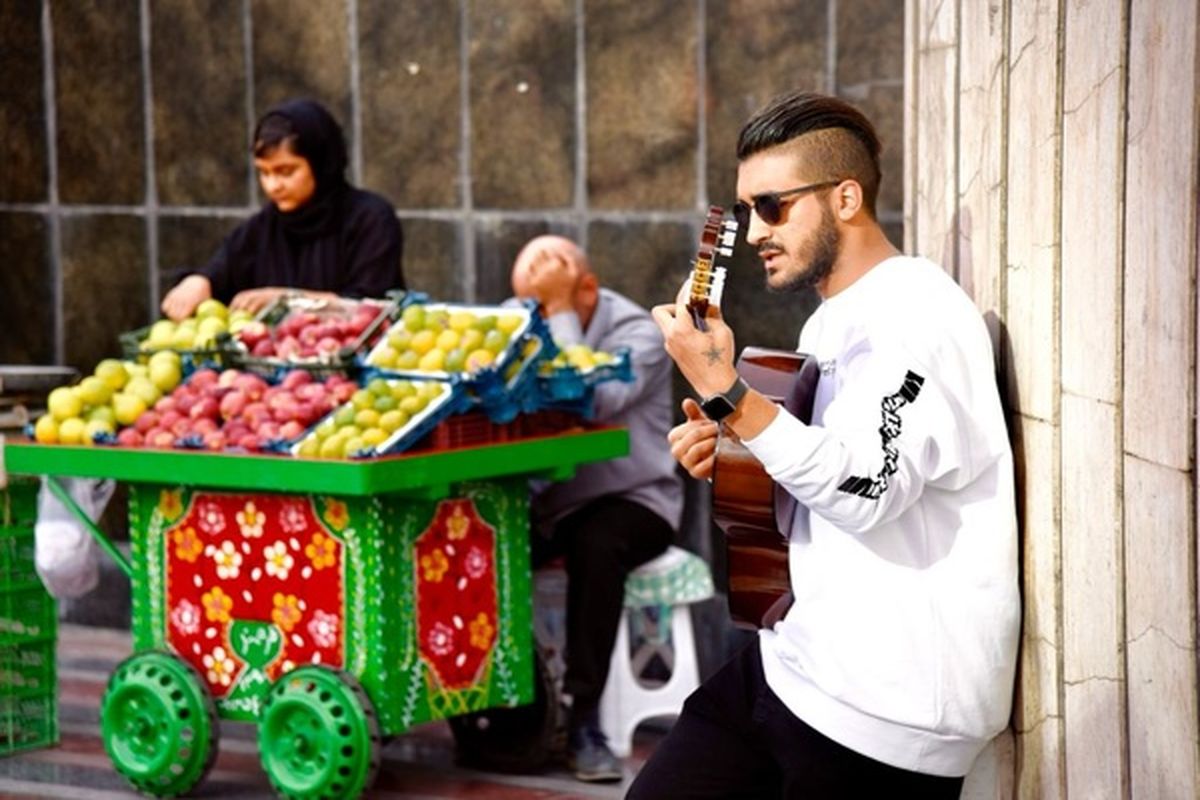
{"points": [[743, 503]]}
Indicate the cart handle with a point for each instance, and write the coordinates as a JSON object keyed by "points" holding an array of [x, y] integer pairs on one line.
{"points": [[91, 527]]}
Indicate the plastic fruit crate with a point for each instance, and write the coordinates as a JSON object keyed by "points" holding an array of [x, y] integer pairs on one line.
{"points": [[16, 555], [27, 723], [27, 613], [28, 669], [18, 503], [341, 361]]}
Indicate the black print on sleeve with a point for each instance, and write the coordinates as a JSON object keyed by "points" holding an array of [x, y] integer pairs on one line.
{"points": [[889, 431]]}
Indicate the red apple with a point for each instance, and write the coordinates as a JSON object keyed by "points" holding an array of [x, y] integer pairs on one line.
{"points": [[130, 437], [168, 419], [268, 431], [233, 404], [263, 349], [205, 408], [227, 377], [165, 404], [254, 332], [291, 430], [215, 440], [249, 442], [295, 379], [203, 377], [145, 421], [252, 385], [162, 439]]}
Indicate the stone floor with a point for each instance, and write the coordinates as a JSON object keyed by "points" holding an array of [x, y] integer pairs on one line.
{"points": [[417, 764]]}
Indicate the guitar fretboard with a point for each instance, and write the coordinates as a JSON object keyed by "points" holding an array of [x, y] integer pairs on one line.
{"points": [[707, 280]]}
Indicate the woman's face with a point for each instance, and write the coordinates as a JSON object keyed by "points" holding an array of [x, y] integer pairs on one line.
{"points": [[286, 178]]}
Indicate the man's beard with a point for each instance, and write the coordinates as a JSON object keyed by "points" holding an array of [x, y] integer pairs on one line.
{"points": [[820, 253]]}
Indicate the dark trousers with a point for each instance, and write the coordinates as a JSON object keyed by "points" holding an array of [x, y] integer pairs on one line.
{"points": [[735, 740], [601, 542]]}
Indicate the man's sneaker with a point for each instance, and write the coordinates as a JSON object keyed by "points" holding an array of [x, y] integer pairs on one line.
{"points": [[590, 759]]}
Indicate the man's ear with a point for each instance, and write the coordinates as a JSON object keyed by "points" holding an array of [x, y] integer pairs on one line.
{"points": [[847, 199]]}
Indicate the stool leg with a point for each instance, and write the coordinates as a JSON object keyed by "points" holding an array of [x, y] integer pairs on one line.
{"points": [[614, 702]]}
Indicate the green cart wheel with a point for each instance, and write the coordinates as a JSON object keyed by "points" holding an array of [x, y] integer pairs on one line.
{"points": [[319, 736], [159, 724]]}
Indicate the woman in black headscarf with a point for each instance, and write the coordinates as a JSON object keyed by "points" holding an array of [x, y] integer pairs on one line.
{"points": [[316, 234]]}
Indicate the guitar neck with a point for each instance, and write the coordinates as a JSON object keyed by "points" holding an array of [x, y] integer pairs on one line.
{"points": [[707, 280]]}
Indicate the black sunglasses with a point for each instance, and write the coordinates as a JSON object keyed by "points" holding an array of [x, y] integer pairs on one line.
{"points": [[769, 205]]}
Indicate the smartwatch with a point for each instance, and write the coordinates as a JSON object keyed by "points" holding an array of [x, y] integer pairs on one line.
{"points": [[721, 405]]}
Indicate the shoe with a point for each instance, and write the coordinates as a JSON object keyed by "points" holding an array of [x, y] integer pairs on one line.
{"points": [[590, 759]]}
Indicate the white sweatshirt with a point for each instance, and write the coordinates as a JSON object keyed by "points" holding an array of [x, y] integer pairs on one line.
{"points": [[902, 641]]}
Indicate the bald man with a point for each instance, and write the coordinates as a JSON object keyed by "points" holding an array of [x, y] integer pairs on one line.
{"points": [[612, 516]]}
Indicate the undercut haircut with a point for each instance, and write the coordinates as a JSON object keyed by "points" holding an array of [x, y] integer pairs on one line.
{"points": [[838, 140]]}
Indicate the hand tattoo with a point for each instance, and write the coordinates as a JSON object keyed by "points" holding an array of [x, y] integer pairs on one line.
{"points": [[713, 354]]}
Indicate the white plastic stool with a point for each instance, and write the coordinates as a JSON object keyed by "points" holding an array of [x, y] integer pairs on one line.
{"points": [[670, 582]]}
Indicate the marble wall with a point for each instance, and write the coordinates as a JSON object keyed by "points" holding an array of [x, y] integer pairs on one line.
{"points": [[124, 128], [125, 125]]}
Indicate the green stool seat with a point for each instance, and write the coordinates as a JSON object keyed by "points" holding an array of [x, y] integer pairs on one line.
{"points": [[675, 578]]}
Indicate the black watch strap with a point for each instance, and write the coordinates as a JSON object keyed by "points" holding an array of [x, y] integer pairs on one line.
{"points": [[721, 405]]}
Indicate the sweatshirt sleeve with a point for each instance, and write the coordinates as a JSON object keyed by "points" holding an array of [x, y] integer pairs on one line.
{"points": [[374, 249], [894, 427]]}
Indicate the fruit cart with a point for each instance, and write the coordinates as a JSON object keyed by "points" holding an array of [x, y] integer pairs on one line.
{"points": [[331, 603]]}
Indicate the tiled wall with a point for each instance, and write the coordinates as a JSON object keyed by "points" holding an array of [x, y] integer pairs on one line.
{"points": [[124, 127]]}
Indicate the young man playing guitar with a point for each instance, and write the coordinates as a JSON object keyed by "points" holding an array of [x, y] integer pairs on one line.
{"points": [[894, 665]]}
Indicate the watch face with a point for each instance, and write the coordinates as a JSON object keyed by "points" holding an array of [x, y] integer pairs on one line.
{"points": [[717, 407]]}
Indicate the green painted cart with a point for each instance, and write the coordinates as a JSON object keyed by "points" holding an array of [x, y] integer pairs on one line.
{"points": [[329, 603]]}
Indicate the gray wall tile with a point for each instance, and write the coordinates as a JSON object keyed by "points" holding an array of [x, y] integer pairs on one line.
{"points": [[104, 284], [302, 50], [26, 290], [523, 103], [433, 258], [410, 80], [645, 261], [641, 104], [201, 143], [496, 246], [23, 176], [98, 82], [884, 106], [756, 49], [869, 47], [186, 243]]}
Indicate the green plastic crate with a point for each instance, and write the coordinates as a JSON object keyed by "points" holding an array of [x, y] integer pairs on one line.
{"points": [[18, 503], [27, 723], [27, 670], [16, 556], [27, 613]]}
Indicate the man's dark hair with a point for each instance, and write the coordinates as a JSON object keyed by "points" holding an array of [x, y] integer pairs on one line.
{"points": [[850, 149]]}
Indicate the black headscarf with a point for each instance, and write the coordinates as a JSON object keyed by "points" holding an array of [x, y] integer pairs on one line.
{"points": [[343, 240], [319, 141]]}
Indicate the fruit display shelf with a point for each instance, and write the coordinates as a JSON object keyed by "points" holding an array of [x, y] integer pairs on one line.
{"points": [[329, 603]]}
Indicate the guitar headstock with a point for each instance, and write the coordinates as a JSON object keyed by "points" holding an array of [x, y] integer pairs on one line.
{"points": [[707, 280]]}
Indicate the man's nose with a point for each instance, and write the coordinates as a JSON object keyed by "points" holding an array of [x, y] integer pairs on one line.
{"points": [[757, 231]]}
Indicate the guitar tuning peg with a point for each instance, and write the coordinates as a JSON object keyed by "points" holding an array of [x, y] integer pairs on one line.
{"points": [[729, 238], [726, 251]]}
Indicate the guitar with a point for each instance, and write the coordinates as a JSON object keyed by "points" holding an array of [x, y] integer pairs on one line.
{"points": [[743, 494]]}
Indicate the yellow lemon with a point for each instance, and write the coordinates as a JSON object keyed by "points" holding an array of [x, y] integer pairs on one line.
{"points": [[46, 429], [63, 403], [70, 430]]}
